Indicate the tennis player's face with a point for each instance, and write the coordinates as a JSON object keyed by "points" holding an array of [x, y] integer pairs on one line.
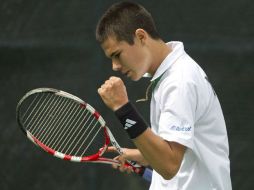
{"points": [[131, 60]]}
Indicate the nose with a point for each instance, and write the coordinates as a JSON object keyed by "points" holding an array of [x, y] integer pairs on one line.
{"points": [[115, 65]]}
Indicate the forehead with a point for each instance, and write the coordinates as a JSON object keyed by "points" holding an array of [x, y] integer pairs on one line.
{"points": [[111, 45]]}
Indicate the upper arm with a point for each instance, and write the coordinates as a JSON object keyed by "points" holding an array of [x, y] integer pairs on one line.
{"points": [[177, 113]]}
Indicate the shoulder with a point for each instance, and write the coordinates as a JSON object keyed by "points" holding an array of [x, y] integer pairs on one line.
{"points": [[184, 77], [184, 71]]}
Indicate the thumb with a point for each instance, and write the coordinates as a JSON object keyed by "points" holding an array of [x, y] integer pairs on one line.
{"points": [[112, 149]]}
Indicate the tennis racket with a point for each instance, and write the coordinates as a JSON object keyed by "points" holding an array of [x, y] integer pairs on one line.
{"points": [[68, 128]]}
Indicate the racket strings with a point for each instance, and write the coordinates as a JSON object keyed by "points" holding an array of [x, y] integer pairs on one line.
{"points": [[32, 114], [29, 107], [69, 134], [44, 114], [68, 128], [93, 127], [90, 142], [57, 126], [61, 124], [64, 144], [77, 135], [43, 110]]}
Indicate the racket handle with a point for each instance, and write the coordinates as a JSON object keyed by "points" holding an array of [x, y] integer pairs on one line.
{"points": [[146, 174]]}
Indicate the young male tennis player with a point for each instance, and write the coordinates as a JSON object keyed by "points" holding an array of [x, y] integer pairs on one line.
{"points": [[187, 144]]}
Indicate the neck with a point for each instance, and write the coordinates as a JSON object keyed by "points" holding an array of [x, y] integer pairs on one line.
{"points": [[159, 51]]}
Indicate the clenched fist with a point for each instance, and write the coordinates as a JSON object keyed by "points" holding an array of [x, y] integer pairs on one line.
{"points": [[113, 93]]}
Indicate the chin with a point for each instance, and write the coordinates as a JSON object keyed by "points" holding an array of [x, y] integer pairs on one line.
{"points": [[135, 78]]}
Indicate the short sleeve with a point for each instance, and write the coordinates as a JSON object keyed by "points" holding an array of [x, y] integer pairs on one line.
{"points": [[178, 106]]}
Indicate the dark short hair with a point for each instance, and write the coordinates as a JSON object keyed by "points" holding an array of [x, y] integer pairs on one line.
{"points": [[122, 20]]}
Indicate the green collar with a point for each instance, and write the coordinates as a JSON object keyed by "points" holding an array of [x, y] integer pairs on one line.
{"points": [[155, 81]]}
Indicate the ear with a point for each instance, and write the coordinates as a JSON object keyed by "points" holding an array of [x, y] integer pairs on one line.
{"points": [[141, 35]]}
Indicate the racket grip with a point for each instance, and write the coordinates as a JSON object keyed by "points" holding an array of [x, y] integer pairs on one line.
{"points": [[146, 174]]}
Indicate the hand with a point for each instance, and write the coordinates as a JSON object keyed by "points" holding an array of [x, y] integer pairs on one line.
{"points": [[113, 93], [128, 154]]}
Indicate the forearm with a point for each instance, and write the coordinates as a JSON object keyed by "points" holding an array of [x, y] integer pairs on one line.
{"points": [[165, 157], [161, 155]]}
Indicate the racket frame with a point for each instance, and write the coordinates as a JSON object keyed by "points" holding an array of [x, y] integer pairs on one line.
{"points": [[95, 158]]}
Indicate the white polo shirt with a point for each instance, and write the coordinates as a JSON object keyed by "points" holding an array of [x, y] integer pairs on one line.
{"points": [[186, 110]]}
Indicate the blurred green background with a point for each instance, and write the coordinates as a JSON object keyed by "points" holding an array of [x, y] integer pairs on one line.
{"points": [[52, 44]]}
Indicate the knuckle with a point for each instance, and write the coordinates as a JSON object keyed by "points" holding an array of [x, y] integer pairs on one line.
{"points": [[117, 79], [112, 78], [99, 90]]}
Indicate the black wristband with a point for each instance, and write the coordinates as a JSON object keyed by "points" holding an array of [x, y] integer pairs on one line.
{"points": [[131, 120]]}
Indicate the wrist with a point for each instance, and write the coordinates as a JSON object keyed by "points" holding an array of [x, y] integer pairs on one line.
{"points": [[131, 120], [117, 107]]}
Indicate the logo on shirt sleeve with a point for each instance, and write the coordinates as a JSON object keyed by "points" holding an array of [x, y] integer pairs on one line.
{"points": [[183, 129]]}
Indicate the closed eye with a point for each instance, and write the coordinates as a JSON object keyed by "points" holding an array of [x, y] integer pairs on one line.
{"points": [[117, 55]]}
